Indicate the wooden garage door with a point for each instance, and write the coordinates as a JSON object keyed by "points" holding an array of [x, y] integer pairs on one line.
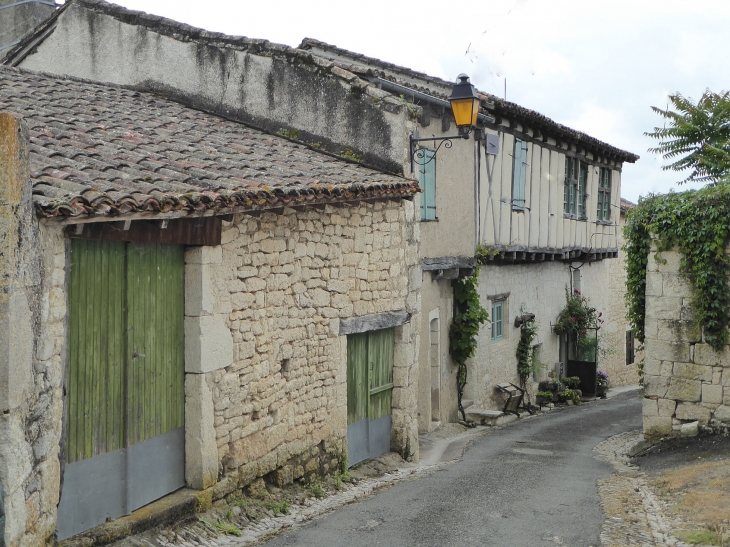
{"points": [[369, 394], [125, 406]]}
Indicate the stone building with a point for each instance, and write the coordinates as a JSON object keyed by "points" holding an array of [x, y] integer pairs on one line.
{"points": [[19, 18], [685, 380], [187, 301], [539, 238], [541, 229]]}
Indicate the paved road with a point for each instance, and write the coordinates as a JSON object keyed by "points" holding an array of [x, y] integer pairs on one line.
{"points": [[531, 484]]}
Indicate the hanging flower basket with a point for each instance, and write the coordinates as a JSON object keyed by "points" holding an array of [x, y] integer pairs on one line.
{"points": [[577, 317]]}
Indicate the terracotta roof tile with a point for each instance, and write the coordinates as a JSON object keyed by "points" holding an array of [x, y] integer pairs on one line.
{"points": [[101, 149]]}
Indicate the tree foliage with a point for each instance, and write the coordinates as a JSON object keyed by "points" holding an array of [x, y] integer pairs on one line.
{"points": [[696, 137]]}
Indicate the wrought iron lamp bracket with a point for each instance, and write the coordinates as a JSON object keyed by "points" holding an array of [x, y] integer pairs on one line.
{"points": [[420, 153]]}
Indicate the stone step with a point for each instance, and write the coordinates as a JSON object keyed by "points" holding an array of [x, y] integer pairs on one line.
{"points": [[485, 417], [466, 403]]}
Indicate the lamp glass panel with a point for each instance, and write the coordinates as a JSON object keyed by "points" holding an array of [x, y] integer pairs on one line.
{"points": [[463, 112]]}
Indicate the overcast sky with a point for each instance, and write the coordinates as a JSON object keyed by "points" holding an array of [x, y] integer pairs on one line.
{"points": [[593, 66]]}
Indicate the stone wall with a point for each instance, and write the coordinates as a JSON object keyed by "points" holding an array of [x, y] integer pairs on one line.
{"points": [[274, 293], [32, 311], [686, 381]]}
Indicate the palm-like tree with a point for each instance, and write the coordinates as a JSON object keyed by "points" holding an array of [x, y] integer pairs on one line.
{"points": [[697, 136]]}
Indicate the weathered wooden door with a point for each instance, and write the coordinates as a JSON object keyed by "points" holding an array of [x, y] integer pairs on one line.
{"points": [[124, 432], [369, 394]]}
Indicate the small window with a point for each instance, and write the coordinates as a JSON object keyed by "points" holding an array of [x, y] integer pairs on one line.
{"points": [[497, 324], [427, 182], [604, 195], [630, 349], [519, 175], [574, 191], [576, 281]]}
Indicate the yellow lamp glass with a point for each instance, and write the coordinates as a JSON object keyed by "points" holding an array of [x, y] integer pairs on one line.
{"points": [[465, 111]]}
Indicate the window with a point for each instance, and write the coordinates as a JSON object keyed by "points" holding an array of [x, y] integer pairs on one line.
{"points": [[497, 324], [427, 182], [574, 192], [630, 350], [519, 175], [604, 194]]}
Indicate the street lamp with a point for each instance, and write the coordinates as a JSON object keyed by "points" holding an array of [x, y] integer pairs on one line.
{"points": [[465, 107]]}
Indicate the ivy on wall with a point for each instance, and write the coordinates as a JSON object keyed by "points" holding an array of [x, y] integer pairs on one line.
{"points": [[468, 318], [696, 223]]}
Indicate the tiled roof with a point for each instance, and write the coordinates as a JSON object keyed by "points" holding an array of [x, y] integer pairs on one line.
{"points": [[627, 205], [431, 85], [108, 150]]}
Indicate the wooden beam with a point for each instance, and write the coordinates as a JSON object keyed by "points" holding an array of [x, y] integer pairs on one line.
{"points": [[195, 231]]}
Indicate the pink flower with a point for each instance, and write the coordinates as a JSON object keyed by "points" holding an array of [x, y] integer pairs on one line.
{"points": [[576, 291], [600, 314], [572, 319]]}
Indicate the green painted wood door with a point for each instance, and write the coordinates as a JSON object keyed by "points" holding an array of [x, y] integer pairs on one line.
{"points": [[126, 361], [125, 435], [369, 393]]}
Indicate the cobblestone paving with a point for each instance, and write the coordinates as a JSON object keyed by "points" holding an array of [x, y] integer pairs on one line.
{"points": [[634, 515], [203, 533]]}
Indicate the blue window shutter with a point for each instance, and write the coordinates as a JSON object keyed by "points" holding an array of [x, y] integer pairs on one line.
{"points": [[427, 182], [519, 174]]}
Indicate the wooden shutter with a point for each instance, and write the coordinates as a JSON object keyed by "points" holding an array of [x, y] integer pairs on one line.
{"points": [[519, 174], [427, 182]]}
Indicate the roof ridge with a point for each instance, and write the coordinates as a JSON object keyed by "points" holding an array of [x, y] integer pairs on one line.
{"points": [[498, 102]]}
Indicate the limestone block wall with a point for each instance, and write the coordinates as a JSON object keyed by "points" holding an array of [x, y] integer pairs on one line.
{"points": [[685, 379], [276, 292], [32, 314]]}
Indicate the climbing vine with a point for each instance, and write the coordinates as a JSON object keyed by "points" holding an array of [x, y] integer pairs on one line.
{"points": [[696, 223], [468, 317], [525, 366]]}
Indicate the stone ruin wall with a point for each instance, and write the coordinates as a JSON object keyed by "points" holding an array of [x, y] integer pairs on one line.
{"points": [[281, 285], [686, 383]]}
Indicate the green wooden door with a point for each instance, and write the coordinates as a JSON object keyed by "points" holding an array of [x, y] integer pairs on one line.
{"points": [[126, 377], [126, 361], [369, 394]]}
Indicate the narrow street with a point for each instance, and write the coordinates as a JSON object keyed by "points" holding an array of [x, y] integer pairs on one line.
{"points": [[532, 483]]}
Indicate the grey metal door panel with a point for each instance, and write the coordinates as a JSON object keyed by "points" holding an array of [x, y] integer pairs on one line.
{"points": [[379, 436], [156, 467], [358, 443], [81, 507]]}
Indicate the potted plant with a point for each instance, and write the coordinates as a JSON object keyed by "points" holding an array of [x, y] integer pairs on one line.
{"points": [[544, 397], [601, 384]]}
